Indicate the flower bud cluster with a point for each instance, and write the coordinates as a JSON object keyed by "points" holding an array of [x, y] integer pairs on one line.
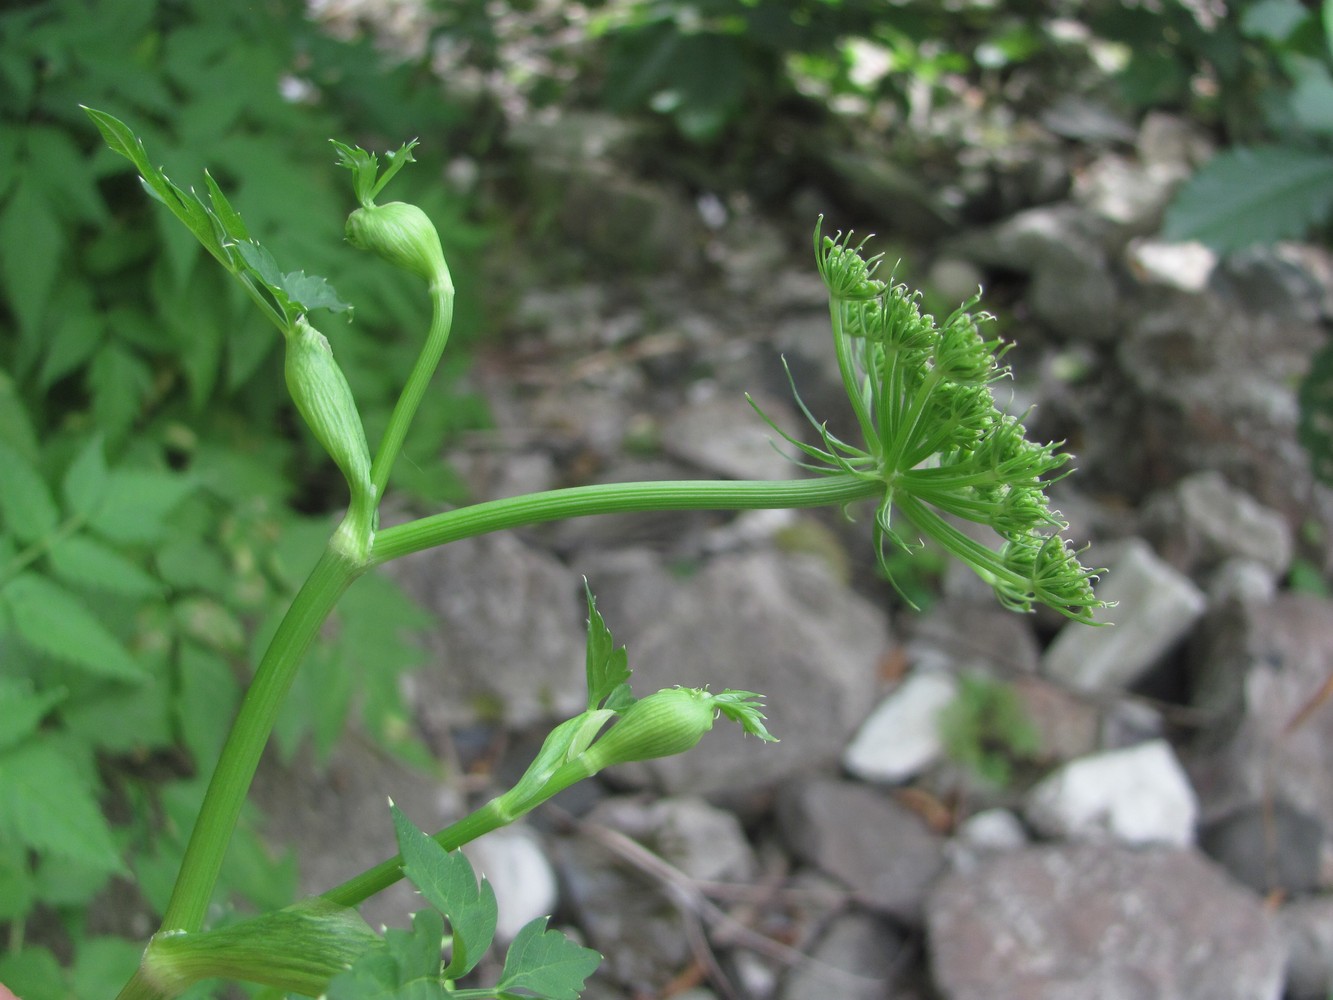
{"points": [[933, 434]]}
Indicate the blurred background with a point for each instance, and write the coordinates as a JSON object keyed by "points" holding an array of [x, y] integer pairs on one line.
{"points": [[626, 192]]}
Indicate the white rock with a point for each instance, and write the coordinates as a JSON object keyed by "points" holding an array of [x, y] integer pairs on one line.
{"points": [[992, 830], [514, 863], [1139, 795], [1155, 606], [902, 736]]}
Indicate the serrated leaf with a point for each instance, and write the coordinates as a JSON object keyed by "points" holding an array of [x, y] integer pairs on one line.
{"points": [[46, 804], [50, 620], [32, 235], [446, 880], [547, 964], [365, 168], [405, 966], [136, 504], [120, 382], [84, 482], [86, 562], [186, 206], [23, 709], [229, 219], [607, 667], [745, 707], [26, 504], [295, 292], [1258, 195]]}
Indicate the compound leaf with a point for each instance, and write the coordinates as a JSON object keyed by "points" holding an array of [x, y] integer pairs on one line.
{"points": [[23, 709], [136, 503], [1258, 195], [85, 562], [547, 964], [51, 621], [446, 880], [46, 803], [26, 503]]}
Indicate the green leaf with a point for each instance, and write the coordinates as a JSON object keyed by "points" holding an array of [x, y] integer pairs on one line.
{"points": [[46, 804], [745, 707], [34, 242], [406, 966], [85, 479], [33, 973], [295, 292], [120, 382], [365, 167], [1315, 429], [446, 881], [136, 504], [1257, 195], [86, 562], [26, 503], [205, 702], [101, 961], [16, 428], [23, 709], [51, 621], [607, 666], [1274, 20], [186, 206], [547, 964]]}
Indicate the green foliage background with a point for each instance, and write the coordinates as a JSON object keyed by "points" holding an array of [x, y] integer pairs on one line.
{"points": [[157, 502]]}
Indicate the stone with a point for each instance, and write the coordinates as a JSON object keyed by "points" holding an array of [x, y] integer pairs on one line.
{"points": [[765, 621], [1203, 521], [857, 958], [627, 915], [880, 849], [1072, 922], [1307, 927], [1266, 737], [1156, 606], [902, 736], [514, 861], [992, 830], [510, 644], [723, 435], [1268, 846], [1183, 266], [1138, 795]]}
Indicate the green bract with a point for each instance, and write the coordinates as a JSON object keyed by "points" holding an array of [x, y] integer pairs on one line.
{"points": [[935, 439]]}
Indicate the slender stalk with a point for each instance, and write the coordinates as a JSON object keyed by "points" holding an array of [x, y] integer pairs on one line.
{"points": [[441, 321], [617, 498], [249, 734]]}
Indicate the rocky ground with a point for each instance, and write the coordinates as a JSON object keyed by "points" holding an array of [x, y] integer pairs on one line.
{"points": [[1161, 826]]}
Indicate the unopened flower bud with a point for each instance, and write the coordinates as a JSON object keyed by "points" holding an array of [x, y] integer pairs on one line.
{"points": [[324, 399], [403, 235], [667, 722]]}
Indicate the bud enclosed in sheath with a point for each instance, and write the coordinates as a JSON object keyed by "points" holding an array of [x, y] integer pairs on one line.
{"points": [[403, 235]]}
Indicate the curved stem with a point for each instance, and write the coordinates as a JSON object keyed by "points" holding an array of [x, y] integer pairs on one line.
{"points": [[249, 734], [617, 498], [442, 319]]}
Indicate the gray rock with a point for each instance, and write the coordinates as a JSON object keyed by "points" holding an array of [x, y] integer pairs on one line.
{"points": [[511, 637], [1266, 741], [1183, 266], [1268, 846], [1077, 922], [722, 434], [768, 622], [514, 861], [1307, 928], [902, 736], [1126, 192], [881, 850], [1066, 724], [857, 958], [1156, 606], [991, 831], [1203, 521], [1073, 290], [628, 916], [1139, 795]]}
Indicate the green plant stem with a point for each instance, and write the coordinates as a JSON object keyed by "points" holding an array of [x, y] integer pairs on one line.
{"points": [[617, 498], [442, 319], [249, 735]]}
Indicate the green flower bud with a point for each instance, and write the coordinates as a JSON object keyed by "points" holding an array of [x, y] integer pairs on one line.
{"points": [[403, 235], [325, 402], [667, 722]]}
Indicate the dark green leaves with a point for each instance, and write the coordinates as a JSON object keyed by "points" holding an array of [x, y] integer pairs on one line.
{"points": [[408, 965], [1247, 196], [219, 228]]}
